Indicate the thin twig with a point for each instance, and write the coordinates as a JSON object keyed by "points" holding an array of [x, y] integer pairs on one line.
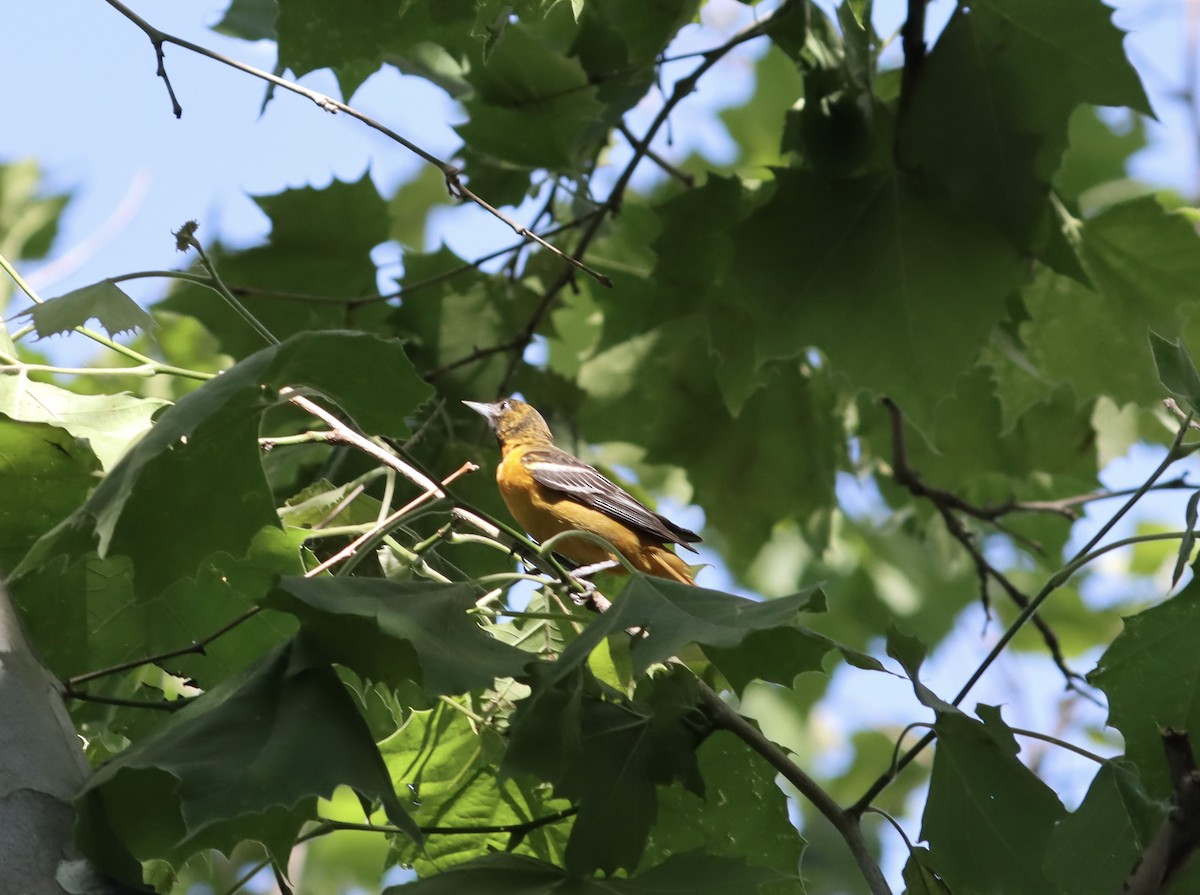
{"points": [[450, 172], [947, 503], [682, 176], [381, 528], [1085, 554], [196, 646], [70, 692]]}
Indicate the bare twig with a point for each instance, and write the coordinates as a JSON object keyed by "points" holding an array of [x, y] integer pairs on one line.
{"points": [[195, 647], [451, 173], [70, 692], [387, 524], [947, 504], [682, 176]]}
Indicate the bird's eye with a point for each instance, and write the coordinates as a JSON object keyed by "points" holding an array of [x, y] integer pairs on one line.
{"points": [[504, 405]]}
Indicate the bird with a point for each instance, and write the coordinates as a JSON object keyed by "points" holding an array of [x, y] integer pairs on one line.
{"points": [[548, 491]]}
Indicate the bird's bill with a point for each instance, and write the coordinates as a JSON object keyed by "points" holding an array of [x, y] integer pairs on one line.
{"points": [[487, 410]]}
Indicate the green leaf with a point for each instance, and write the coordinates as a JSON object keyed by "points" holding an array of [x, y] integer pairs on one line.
{"points": [[920, 876], [910, 653], [44, 474], [619, 41], [396, 631], [448, 768], [743, 815], [1097, 152], [1188, 541], [320, 246], [1008, 74], [881, 261], [108, 423], [28, 217], [349, 40], [1150, 677], [288, 733], [533, 107], [672, 616], [757, 126], [1176, 371], [695, 874], [607, 755], [316, 502], [85, 612], [249, 20], [1094, 848], [104, 301], [194, 485], [451, 309], [988, 818], [1142, 261], [633, 391]]}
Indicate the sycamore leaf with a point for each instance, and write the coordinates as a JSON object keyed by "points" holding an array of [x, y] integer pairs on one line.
{"points": [[988, 118], [107, 422], [1150, 676], [448, 769], [744, 815], [1188, 541], [607, 755], [1176, 370], [288, 732], [988, 818], [920, 876], [693, 873], [85, 613], [745, 639], [533, 106], [396, 631], [44, 474], [910, 653], [885, 269], [104, 301], [249, 20], [194, 484], [1094, 848]]}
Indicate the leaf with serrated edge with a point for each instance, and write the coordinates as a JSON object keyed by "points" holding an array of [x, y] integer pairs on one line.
{"points": [[103, 301]]}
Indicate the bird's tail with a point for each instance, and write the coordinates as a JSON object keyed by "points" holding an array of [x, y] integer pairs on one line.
{"points": [[666, 564]]}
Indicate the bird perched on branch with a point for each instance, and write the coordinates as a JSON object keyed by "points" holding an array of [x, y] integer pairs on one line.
{"points": [[548, 491]]}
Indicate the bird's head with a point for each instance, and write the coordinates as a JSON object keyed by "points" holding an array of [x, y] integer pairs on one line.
{"points": [[513, 421]]}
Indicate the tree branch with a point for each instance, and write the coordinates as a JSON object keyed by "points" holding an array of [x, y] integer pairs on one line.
{"points": [[451, 173], [912, 39], [1178, 837]]}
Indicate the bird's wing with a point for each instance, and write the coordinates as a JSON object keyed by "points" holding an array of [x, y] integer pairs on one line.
{"points": [[559, 471]]}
